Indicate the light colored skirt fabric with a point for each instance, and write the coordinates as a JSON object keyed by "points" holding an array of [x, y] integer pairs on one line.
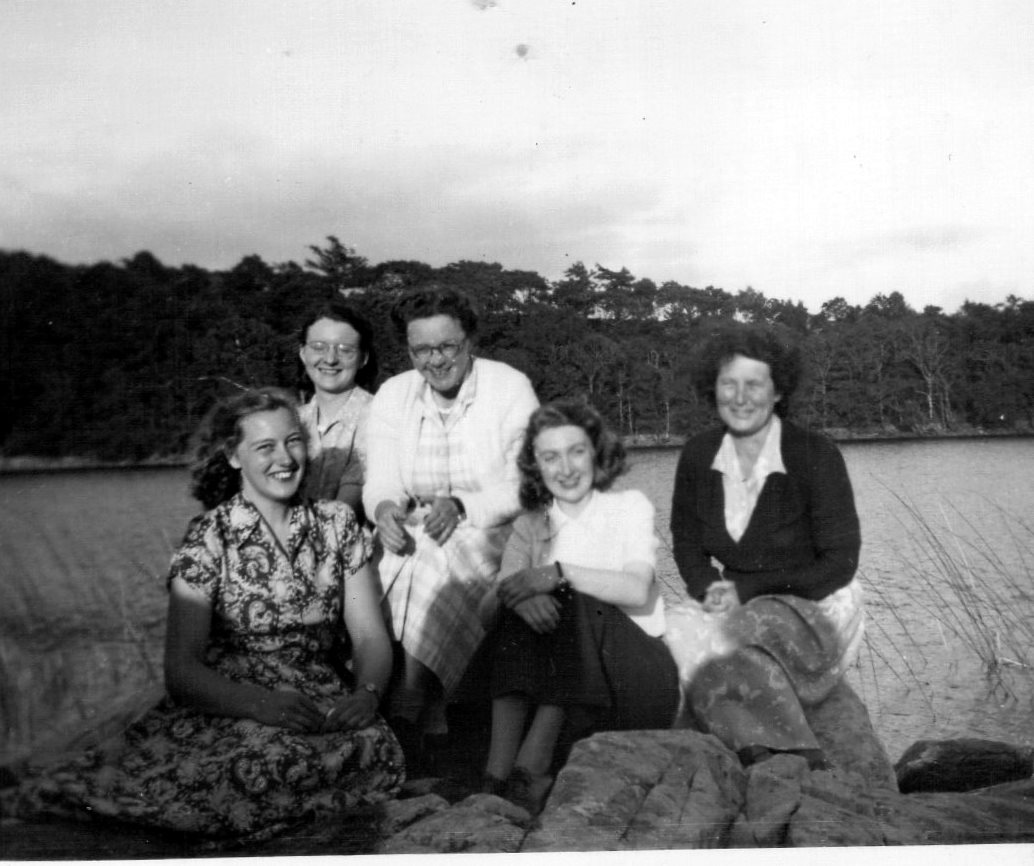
{"points": [[434, 593], [746, 675]]}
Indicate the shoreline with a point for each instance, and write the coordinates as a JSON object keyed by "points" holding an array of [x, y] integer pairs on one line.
{"points": [[23, 464]]}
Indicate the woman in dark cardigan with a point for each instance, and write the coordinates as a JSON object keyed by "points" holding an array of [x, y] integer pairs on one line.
{"points": [[766, 537]]}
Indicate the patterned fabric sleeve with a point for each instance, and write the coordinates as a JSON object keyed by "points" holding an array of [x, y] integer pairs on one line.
{"points": [[198, 560]]}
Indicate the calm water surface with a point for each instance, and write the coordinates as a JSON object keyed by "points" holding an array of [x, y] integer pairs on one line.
{"points": [[83, 557]]}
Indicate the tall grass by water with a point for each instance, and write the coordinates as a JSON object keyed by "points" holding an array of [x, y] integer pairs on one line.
{"points": [[975, 593]]}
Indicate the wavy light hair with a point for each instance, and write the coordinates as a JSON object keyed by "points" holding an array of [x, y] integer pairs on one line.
{"points": [[213, 479]]}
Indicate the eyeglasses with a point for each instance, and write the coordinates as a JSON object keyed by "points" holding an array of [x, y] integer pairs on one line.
{"points": [[448, 350], [321, 347]]}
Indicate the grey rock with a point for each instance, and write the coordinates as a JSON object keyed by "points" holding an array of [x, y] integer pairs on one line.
{"points": [[836, 808], [773, 796], [399, 814], [642, 789], [961, 765], [482, 823]]}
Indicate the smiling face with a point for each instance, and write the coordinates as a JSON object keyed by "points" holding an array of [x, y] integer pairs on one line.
{"points": [[336, 358], [270, 456], [440, 351], [567, 461], [746, 396]]}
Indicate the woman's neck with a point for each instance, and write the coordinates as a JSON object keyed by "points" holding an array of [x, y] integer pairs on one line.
{"points": [[749, 448], [574, 509], [329, 403]]}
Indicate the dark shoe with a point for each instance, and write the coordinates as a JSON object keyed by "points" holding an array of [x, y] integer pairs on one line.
{"points": [[528, 790], [411, 738], [493, 785], [436, 754]]}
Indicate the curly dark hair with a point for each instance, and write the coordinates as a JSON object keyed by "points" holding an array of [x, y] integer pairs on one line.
{"points": [[339, 311], [433, 299], [607, 445], [757, 342], [213, 479]]}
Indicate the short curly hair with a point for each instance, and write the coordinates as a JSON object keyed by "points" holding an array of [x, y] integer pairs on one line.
{"points": [[758, 342], [607, 446], [433, 299], [213, 479]]}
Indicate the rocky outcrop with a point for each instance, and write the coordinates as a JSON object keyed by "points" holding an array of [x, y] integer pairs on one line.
{"points": [[646, 790], [961, 765], [642, 790]]}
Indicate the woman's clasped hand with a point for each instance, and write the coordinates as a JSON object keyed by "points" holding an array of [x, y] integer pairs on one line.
{"points": [[527, 583]]}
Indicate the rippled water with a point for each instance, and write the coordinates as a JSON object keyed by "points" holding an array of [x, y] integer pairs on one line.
{"points": [[939, 520], [83, 557]]}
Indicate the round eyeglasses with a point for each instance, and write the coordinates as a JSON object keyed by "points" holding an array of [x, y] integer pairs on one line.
{"points": [[448, 350], [321, 347]]}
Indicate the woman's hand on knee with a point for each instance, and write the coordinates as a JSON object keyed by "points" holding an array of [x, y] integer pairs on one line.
{"points": [[358, 710], [526, 583], [291, 710], [442, 519], [540, 612], [390, 519], [721, 597]]}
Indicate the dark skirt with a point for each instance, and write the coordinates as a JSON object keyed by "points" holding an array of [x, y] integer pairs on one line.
{"points": [[597, 665]]}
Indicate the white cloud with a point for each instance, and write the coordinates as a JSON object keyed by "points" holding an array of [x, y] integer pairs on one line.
{"points": [[806, 149]]}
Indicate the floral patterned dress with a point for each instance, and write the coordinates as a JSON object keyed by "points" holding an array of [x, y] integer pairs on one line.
{"points": [[275, 613]]}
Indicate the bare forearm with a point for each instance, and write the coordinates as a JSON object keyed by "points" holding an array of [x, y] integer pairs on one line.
{"points": [[195, 685], [371, 660], [629, 587]]}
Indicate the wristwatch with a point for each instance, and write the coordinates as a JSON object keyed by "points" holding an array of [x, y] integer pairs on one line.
{"points": [[373, 690]]}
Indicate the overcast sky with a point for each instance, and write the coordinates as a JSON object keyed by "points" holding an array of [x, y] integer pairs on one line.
{"points": [[807, 149]]}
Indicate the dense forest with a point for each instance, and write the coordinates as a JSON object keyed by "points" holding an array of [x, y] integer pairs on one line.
{"points": [[120, 361]]}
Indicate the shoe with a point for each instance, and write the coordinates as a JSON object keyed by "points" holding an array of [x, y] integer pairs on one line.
{"points": [[493, 785], [411, 738], [528, 790]]}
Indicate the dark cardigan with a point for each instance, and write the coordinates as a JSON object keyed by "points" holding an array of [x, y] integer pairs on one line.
{"points": [[803, 538]]}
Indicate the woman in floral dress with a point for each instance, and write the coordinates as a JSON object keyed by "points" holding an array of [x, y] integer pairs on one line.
{"points": [[257, 731]]}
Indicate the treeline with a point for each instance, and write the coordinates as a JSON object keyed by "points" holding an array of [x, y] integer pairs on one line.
{"points": [[120, 361]]}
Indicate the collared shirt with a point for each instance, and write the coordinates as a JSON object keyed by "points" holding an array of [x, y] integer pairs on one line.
{"points": [[337, 445], [615, 528], [742, 491], [267, 598]]}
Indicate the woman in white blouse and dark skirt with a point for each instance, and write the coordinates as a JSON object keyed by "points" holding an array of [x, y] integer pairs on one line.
{"points": [[579, 638]]}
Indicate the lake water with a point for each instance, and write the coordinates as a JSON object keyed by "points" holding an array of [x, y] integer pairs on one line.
{"points": [[947, 562]]}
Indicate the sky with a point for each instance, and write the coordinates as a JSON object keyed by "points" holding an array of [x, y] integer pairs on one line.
{"points": [[808, 149]]}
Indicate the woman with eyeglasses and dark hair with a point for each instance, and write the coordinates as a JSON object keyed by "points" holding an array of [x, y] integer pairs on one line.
{"points": [[766, 537], [258, 732], [441, 487], [336, 350], [579, 643]]}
